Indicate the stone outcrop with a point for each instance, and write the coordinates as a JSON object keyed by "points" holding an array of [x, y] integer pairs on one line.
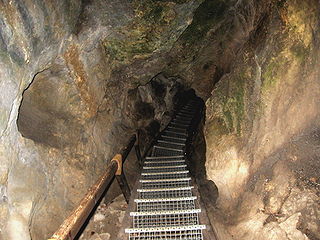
{"points": [[262, 127]]}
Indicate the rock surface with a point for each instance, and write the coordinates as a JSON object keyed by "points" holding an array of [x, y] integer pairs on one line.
{"points": [[106, 222], [262, 128]]}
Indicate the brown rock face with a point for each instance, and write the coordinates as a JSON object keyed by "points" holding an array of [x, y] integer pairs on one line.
{"points": [[261, 129], [77, 78]]}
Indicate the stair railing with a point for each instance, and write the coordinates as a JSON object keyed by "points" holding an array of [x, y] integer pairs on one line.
{"points": [[71, 226]]}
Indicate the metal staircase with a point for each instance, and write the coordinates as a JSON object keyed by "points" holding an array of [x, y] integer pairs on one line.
{"points": [[165, 206]]}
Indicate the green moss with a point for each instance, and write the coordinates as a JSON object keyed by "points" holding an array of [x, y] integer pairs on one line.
{"points": [[207, 14], [126, 50], [233, 105], [228, 118], [274, 70], [269, 75], [143, 36]]}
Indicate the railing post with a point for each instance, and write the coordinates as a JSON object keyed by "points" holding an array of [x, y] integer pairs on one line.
{"points": [[121, 178], [137, 149]]}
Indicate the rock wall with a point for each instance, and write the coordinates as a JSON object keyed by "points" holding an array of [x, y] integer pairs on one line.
{"points": [[262, 130], [77, 79]]}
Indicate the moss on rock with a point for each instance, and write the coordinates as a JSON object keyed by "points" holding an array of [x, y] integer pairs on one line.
{"points": [[145, 34]]}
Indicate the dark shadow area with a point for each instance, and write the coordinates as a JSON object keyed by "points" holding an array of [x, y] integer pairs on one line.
{"points": [[208, 189]]}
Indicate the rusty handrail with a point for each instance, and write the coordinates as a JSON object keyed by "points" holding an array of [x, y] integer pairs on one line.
{"points": [[70, 227]]}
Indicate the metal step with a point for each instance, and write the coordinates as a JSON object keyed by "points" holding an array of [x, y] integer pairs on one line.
{"points": [[165, 157], [165, 151], [169, 142], [166, 184], [165, 175], [163, 169], [186, 112], [178, 128], [165, 218], [165, 192], [182, 121], [165, 204], [152, 213], [164, 189], [164, 163], [174, 134], [162, 229], [192, 232], [180, 139], [165, 199], [169, 149], [185, 115], [162, 205], [166, 180], [180, 125]]}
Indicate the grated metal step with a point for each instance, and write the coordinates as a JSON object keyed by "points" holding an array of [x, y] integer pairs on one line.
{"points": [[165, 151], [176, 157], [163, 180], [166, 184], [165, 192], [178, 167], [163, 169], [193, 232], [171, 133], [165, 204], [170, 145], [177, 129], [172, 142], [165, 218], [179, 125], [176, 139], [164, 163], [180, 121]]}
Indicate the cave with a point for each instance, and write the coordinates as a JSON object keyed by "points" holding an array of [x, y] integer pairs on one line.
{"points": [[80, 77]]}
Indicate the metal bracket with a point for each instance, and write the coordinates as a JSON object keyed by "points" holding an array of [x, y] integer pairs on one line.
{"points": [[118, 159]]}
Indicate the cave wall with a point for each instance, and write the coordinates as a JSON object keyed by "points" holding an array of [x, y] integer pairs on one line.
{"points": [[262, 128], [77, 79]]}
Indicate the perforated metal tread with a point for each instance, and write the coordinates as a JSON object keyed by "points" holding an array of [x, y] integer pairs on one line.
{"points": [[166, 208], [192, 232]]}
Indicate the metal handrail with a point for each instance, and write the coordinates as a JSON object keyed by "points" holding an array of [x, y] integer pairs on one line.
{"points": [[71, 226]]}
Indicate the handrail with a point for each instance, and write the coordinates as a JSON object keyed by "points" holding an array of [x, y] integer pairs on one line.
{"points": [[70, 227]]}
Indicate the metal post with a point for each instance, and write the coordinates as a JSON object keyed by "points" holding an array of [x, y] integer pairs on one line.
{"points": [[122, 181]]}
